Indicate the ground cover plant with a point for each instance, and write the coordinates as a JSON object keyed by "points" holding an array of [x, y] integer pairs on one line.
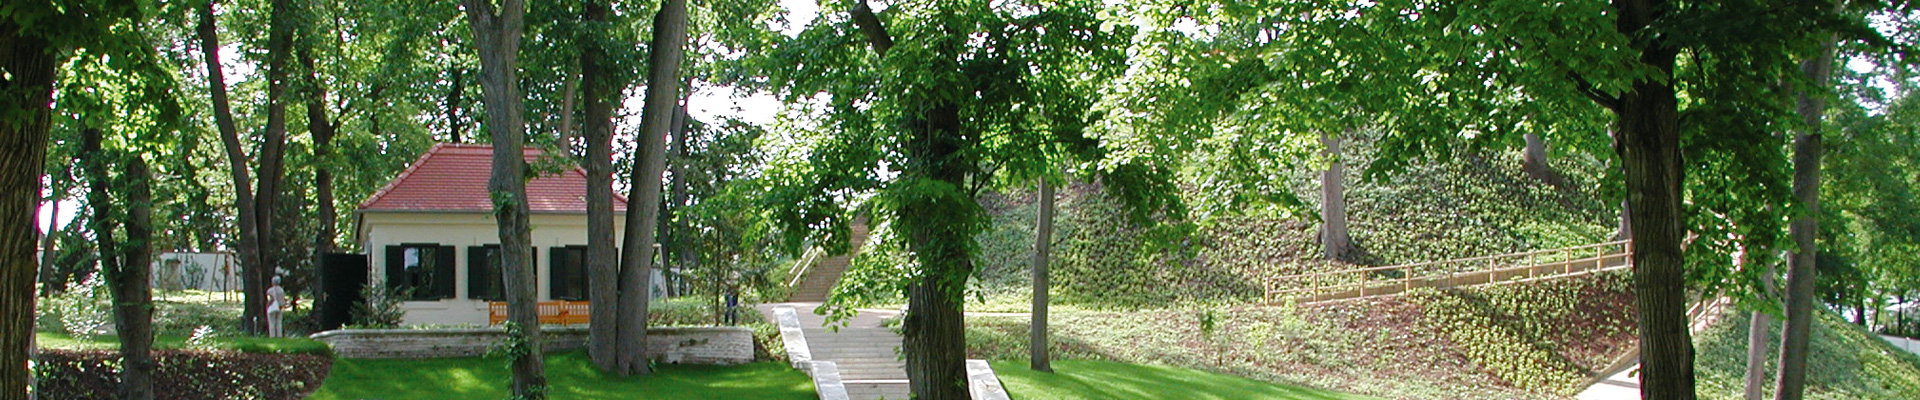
{"points": [[1381, 347], [1101, 380], [572, 374], [1845, 362], [184, 374]]}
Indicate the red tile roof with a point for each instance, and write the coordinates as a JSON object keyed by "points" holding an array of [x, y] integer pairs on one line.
{"points": [[453, 178]]}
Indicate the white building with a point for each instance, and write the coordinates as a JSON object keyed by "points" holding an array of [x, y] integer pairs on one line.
{"points": [[432, 233]]}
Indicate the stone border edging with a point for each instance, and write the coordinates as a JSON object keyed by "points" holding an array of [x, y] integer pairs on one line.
{"points": [[826, 381], [694, 345], [793, 337], [982, 384]]}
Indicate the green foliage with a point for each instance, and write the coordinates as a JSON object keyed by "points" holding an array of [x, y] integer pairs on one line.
{"points": [[1843, 362], [1384, 347], [82, 310], [381, 310]]}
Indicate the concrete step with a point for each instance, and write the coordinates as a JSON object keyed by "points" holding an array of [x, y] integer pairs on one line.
{"points": [[858, 390]]}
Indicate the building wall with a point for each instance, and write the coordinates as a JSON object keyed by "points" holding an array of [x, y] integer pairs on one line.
{"points": [[462, 230]]}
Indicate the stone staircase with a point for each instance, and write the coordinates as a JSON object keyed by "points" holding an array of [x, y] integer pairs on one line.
{"points": [[818, 280], [868, 360]]}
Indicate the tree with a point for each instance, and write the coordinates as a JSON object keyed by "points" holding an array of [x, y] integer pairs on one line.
{"points": [[1333, 201], [497, 35], [1534, 158], [33, 41], [1037, 344], [636, 257], [603, 86], [1801, 271], [254, 205], [946, 116], [127, 262]]}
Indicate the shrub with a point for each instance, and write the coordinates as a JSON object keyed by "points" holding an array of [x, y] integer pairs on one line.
{"points": [[381, 310], [82, 311]]}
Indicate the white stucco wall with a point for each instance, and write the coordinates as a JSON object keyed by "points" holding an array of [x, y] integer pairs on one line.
{"points": [[463, 230]]}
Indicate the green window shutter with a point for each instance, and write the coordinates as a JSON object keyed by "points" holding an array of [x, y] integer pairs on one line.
{"points": [[396, 267], [480, 273], [444, 272]]}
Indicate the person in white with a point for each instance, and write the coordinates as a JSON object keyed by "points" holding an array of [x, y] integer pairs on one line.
{"points": [[276, 306]]}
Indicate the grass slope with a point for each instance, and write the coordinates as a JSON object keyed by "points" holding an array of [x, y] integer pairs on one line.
{"points": [[1845, 362], [1513, 342], [571, 376], [1100, 380]]}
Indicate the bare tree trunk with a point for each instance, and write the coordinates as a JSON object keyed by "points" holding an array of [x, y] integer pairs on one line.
{"points": [[1759, 330], [1649, 150], [273, 146], [678, 242], [1534, 158], [24, 96], [602, 266], [1037, 343], [497, 35], [322, 129], [636, 260], [1334, 238], [48, 238], [569, 89], [125, 269], [1805, 229], [935, 334], [250, 241], [455, 87]]}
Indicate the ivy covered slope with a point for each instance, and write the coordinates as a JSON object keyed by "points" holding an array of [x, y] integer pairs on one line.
{"points": [[1474, 205], [1845, 362], [1508, 342]]}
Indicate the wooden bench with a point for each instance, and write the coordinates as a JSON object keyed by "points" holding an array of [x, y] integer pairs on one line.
{"points": [[551, 312]]}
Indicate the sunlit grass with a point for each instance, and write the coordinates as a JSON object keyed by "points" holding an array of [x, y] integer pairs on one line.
{"points": [[1100, 380], [571, 376]]}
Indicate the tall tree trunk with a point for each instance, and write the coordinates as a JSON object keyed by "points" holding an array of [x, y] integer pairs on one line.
{"points": [[126, 268], [1534, 158], [249, 243], [48, 238], [1805, 229], [1649, 150], [322, 129], [636, 257], [1334, 238], [497, 35], [569, 90], [455, 87], [26, 90], [678, 239], [1037, 343], [935, 334], [1759, 331], [273, 151], [602, 265]]}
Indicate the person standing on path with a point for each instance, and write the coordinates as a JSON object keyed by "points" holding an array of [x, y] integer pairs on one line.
{"points": [[276, 306]]}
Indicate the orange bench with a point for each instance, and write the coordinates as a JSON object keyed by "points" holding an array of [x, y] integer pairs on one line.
{"points": [[551, 312]]}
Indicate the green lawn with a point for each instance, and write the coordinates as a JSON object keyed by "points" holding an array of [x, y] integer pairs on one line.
{"points": [[249, 344], [1101, 380], [572, 376]]}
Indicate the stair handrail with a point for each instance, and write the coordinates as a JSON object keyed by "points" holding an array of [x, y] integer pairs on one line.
{"points": [[800, 267], [1601, 253]]}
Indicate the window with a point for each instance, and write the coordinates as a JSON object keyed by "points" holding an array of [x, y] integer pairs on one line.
{"points": [[569, 269], [483, 273], [421, 271]]}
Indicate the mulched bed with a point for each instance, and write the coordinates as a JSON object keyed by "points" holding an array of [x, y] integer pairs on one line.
{"points": [[185, 374]]}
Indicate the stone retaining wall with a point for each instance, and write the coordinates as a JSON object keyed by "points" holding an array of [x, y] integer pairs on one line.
{"points": [[690, 345]]}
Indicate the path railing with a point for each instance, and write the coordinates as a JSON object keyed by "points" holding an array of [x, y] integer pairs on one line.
{"points": [[800, 267], [1495, 269]]}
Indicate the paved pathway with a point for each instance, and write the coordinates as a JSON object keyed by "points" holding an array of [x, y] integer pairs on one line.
{"points": [[867, 354], [1625, 383]]}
